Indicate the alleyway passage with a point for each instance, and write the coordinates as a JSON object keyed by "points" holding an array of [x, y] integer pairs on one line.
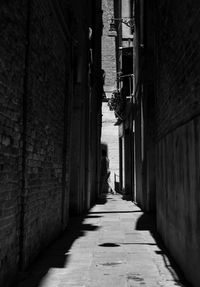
{"points": [[112, 246]]}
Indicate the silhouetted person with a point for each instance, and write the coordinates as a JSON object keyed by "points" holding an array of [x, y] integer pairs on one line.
{"points": [[105, 172], [103, 75]]}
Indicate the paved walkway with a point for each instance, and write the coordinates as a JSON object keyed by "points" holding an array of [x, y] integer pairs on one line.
{"points": [[112, 246]]}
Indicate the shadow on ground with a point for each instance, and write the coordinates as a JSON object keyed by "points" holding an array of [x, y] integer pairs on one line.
{"points": [[147, 221], [102, 199], [56, 255]]}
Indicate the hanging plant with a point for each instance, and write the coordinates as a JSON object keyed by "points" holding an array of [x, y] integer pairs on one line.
{"points": [[116, 103]]}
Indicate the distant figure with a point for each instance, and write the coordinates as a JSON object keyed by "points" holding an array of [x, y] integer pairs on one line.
{"points": [[103, 75], [105, 172]]}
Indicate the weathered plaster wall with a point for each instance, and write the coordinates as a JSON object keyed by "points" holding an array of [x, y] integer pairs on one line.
{"points": [[178, 133], [178, 198]]}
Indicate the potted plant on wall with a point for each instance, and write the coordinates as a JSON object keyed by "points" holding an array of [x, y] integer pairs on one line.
{"points": [[116, 104]]}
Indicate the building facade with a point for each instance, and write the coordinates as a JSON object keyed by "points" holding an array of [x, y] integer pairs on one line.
{"points": [[122, 28], [177, 137], [108, 48], [167, 126], [164, 154], [50, 123]]}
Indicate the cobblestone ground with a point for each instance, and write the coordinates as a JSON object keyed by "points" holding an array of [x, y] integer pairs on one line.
{"points": [[112, 246]]}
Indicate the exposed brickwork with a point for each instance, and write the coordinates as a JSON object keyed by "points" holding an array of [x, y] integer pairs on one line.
{"points": [[179, 61], [45, 128], [45, 99], [12, 51], [37, 86], [108, 45]]}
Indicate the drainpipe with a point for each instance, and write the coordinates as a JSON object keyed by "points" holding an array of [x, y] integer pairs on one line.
{"points": [[139, 18], [141, 101]]}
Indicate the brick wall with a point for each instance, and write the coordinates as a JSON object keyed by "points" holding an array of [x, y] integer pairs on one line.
{"points": [[33, 78], [39, 77], [44, 131], [179, 61], [12, 59], [108, 45], [177, 122]]}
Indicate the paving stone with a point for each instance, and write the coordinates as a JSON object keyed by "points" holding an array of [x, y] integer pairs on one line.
{"points": [[116, 254]]}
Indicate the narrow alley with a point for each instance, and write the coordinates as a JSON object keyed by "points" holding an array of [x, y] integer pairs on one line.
{"points": [[114, 245], [99, 143]]}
